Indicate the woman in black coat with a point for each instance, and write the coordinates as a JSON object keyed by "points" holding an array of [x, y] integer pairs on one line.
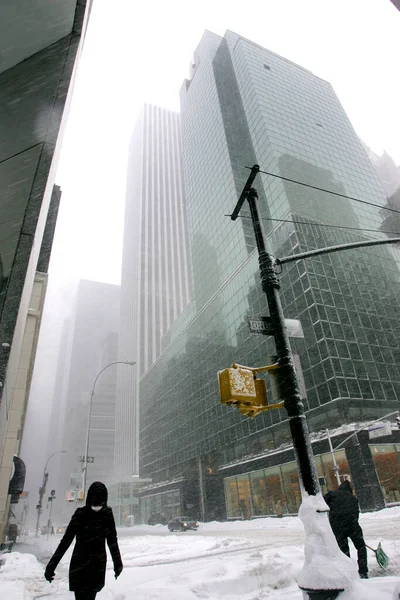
{"points": [[92, 525]]}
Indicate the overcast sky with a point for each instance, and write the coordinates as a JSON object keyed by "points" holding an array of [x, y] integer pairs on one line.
{"points": [[140, 51]]}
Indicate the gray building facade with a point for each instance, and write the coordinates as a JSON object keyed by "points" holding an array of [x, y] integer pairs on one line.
{"points": [[244, 105]]}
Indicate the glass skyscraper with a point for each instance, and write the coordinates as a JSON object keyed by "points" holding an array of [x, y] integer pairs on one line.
{"points": [[243, 105]]}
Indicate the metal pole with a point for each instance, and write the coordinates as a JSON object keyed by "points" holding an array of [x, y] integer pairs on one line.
{"points": [[338, 248], [39, 507], [49, 521], [85, 458], [293, 404], [43, 489], [201, 490], [85, 461], [307, 471], [335, 467]]}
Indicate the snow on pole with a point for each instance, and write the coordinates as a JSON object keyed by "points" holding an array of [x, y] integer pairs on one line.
{"points": [[326, 567]]}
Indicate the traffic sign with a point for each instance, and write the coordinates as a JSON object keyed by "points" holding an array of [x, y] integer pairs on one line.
{"points": [[264, 326], [379, 430], [261, 325], [90, 459]]}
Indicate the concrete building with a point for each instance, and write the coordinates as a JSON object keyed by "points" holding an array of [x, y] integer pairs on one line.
{"points": [[40, 44], [245, 105], [155, 284]]}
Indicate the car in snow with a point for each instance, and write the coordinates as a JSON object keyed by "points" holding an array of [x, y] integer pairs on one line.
{"points": [[61, 529], [183, 524]]}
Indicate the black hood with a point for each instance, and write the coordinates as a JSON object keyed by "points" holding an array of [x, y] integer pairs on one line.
{"points": [[97, 494], [346, 485]]}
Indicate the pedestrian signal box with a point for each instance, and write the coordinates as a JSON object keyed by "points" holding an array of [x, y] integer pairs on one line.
{"points": [[239, 386]]}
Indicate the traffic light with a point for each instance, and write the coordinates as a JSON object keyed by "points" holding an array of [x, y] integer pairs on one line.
{"points": [[398, 421]]}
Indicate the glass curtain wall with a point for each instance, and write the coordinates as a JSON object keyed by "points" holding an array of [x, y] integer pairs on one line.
{"points": [[276, 490], [387, 463], [167, 504]]}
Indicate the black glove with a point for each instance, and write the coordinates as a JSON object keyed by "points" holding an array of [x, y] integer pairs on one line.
{"points": [[118, 571], [49, 574]]}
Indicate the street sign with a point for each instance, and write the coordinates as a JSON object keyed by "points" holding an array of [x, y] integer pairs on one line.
{"points": [[379, 430], [261, 325], [53, 493], [90, 459], [264, 326]]}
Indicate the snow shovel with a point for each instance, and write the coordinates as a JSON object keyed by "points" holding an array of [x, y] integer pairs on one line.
{"points": [[381, 557]]}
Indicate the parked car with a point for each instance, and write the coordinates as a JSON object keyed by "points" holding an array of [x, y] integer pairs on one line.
{"points": [[183, 524], [44, 530]]}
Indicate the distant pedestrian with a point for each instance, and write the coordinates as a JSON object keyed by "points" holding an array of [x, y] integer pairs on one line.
{"points": [[92, 525], [343, 517], [52, 530]]}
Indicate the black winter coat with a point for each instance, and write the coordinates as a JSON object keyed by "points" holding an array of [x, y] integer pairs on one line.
{"points": [[88, 563], [344, 508]]}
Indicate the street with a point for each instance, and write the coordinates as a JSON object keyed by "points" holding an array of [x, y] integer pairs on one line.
{"points": [[249, 560]]}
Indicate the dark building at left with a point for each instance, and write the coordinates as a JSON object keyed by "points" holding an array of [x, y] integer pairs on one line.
{"points": [[40, 44]]}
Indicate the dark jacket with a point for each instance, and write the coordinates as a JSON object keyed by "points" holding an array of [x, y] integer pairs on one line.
{"points": [[344, 508], [88, 563]]}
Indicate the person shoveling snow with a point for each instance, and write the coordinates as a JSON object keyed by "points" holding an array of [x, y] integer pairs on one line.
{"points": [[343, 517]]}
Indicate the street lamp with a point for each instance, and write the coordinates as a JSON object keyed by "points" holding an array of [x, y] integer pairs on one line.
{"points": [[43, 489], [85, 458]]}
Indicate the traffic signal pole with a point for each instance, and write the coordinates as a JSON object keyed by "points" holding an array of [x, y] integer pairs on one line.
{"points": [[293, 404], [308, 477]]}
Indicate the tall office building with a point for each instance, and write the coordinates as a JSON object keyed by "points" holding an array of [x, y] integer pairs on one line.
{"points": [[155, 278], [245, 105]]}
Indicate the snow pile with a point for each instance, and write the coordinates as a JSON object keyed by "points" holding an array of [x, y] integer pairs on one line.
{"points": [[19, 576]]}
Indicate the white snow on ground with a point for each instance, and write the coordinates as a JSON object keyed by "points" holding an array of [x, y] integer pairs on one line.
{"points": [[251, 560]]}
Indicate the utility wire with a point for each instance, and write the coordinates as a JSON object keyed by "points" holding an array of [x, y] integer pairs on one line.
{"points": [[320, 225], [314, 187]]}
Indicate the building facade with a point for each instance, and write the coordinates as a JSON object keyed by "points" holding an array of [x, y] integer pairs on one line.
{"points": [[245, 105], [39, 50], [155, 278]]}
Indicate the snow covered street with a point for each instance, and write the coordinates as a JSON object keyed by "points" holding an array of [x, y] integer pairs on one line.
{"points": [[253, 560]]}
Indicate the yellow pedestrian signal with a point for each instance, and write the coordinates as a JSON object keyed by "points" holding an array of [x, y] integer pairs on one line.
{"points": [[237, 385], [240, 387]]}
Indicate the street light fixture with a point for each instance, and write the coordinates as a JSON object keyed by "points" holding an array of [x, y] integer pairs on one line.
{"points": [[42, 489], [85, 458]]}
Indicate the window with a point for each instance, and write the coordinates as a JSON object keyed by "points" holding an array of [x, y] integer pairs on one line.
{"points": [[387, 463]]}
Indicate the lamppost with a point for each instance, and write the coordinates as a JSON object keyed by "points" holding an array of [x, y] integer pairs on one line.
{"points": [[42, 489], [85, 458]]}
